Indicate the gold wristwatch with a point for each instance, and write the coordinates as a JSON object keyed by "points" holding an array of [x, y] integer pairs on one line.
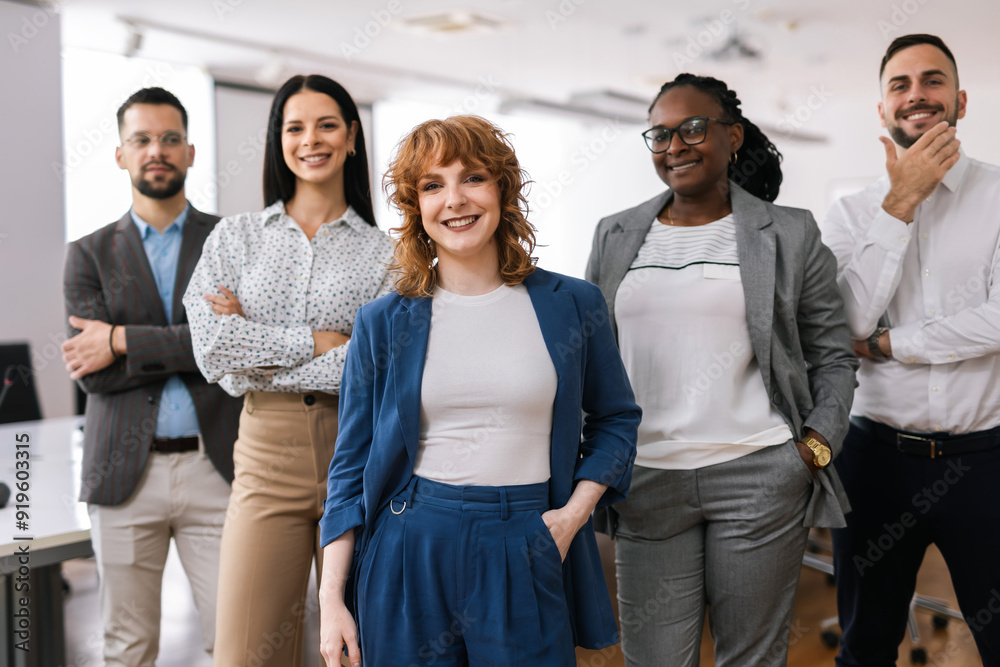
{"points": [[821, 453]]}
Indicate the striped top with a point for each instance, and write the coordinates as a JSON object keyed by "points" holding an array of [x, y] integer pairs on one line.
{"points": [[684, 339], [668, 247]]}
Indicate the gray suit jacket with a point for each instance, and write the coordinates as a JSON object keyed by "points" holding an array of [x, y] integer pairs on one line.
{"points": [[795, 315], [108, 278]]}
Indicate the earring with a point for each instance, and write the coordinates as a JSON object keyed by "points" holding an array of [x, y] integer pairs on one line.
{"points": [[351, 153], [733, 158]]}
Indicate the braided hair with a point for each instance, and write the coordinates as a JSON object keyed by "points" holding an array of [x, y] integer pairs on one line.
{"points": [[758, 162]]}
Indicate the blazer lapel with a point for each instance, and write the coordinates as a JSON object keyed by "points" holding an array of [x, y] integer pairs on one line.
{"points": [[135, 263], [410, 331], [625, 239], [755, 246], [196, 230], [556, 313]]}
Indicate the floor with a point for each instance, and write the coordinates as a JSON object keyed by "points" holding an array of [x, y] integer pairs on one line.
{"points": [[180, 644]]}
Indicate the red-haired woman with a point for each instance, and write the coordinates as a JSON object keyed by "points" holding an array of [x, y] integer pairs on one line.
{"points": [[461, 489]]}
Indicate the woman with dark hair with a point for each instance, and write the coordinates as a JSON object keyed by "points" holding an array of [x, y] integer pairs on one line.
{"points": [[271, 306], [486, 413], [733, 332]]}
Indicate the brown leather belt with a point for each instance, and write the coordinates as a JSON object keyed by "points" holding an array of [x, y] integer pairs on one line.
{"points": [[175, 445]]}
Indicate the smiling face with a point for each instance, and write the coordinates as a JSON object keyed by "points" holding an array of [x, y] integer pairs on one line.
{"points": [[156, 162], [460, 211], [315, 138], [694, 170], [919, 90]]}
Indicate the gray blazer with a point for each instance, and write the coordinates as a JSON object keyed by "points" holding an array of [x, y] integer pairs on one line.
{"points": [[108, 278], [795, 315]]}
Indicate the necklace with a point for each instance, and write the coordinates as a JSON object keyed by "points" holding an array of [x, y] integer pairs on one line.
{"points": [[670, 218]]}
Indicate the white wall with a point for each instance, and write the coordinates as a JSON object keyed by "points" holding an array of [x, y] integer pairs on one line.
{"points": [[31, 227], [240, 132]]}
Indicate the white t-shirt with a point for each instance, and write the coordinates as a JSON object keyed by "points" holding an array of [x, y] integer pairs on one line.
{"points": [[487, 393], [683, 334]]}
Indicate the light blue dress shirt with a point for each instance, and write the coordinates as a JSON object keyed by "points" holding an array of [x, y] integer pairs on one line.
{"points": [[176, 417]]}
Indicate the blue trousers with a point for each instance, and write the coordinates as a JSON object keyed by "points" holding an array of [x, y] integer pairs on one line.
{"points": [[901, 504], [468, 575]]}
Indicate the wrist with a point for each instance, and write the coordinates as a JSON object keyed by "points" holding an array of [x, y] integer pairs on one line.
{"points": [[899, 207], [119, 344], [878, 344], [884, 344]]}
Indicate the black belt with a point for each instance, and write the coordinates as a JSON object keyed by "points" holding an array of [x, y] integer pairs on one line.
{"points": [[175, 445], [930, 445]]}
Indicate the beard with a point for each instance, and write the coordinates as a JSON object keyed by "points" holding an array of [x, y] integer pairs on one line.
{"points": [[900, 136], [162, 189]]}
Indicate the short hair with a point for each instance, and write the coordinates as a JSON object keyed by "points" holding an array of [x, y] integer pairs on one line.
{"points": [[279, 181], [906, 41], [155, 95], [478, 144]]}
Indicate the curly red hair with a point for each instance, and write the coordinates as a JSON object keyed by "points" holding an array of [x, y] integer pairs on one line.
{"points": [[477, 144]]}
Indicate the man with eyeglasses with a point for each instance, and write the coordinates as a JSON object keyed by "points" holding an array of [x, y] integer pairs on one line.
{"points": [[918, 256], [158, 439]]}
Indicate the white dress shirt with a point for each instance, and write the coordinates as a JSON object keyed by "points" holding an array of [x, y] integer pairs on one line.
{"points": [[936, 284], [288, 287]]}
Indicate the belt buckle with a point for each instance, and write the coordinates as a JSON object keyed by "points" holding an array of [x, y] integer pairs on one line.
{"points": [[905, 436]]}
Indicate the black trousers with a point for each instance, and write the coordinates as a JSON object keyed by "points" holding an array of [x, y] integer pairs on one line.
{"points": [[901, 504]]}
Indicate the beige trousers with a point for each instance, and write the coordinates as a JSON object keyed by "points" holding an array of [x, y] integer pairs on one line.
{"points": [[180, 496], [271, 536]]}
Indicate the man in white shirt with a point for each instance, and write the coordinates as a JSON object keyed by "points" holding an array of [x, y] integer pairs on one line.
{"points": [[918, 256]]}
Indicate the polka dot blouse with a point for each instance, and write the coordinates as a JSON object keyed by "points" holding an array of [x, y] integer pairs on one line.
{"points": [[288, 287]]}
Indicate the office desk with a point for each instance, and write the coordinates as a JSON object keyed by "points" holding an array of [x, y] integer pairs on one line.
{"points": [[58, 527]]}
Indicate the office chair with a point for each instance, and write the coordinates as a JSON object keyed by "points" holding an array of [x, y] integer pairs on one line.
{"points": [[20, 399]]}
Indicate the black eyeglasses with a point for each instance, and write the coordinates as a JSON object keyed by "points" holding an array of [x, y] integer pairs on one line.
{"points": [[692, 132]]}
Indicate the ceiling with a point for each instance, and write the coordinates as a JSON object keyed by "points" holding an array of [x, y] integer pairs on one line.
{"points": [[775, 53]]}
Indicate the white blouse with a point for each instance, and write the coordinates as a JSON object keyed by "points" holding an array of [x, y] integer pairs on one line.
{"points": [[684, 339], [288, 287]]}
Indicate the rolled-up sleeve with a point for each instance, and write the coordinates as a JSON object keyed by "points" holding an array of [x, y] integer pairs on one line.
{"points": [[343, 509], [611, 415]]}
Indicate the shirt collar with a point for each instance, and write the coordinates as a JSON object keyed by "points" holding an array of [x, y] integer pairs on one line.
{"points": [[953, 178], [276, 211], [145, 228]]}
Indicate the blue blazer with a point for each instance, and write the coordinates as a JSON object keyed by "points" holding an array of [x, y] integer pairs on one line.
{"points": [[380, 423]]}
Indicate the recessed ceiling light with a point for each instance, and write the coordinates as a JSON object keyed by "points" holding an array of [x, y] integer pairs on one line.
{"points": [[452, 23]]}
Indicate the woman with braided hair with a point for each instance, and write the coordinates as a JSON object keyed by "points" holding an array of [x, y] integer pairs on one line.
{"points": [[734, 336]]}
